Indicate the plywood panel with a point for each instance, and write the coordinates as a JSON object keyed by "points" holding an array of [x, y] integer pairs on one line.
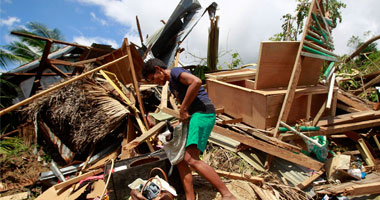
{"points": [[276, 62], [239, 102]]}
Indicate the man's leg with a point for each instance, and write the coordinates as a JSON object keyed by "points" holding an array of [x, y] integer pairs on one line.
{"points": [[192, 159], [187, 179]]}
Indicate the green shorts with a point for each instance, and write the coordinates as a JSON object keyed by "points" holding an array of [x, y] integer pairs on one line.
{"points": [[200, 127]]}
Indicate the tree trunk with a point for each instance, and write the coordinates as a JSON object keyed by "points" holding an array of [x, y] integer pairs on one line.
{"points": [[360, 49]]}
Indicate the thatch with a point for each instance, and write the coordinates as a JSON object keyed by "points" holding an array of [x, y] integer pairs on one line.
{"points": [[80, 113]]}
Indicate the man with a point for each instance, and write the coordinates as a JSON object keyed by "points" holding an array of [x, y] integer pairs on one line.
{"points": [[196, 109]]}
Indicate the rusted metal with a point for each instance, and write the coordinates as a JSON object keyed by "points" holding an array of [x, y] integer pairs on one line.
{"points": [[66, 154]]}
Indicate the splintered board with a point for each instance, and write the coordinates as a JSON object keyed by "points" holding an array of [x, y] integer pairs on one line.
{"points": [[276, 62]]}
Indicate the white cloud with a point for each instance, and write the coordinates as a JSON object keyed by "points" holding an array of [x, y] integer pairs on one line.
{"points": [[243, 23], [10, 21], [101, 21], [99, 40]]}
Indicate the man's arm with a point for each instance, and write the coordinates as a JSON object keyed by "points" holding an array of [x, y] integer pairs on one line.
{"points": [[194, 84]]}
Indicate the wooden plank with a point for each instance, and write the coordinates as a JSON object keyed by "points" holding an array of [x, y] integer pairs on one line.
{"points": [[252, 159], [118, 90], [347, 100], [77, 179], [13, 107], [377, 142], [275, 141], [312, 178], [347, 108], [259, 192], [366, 153], [171, 112], [308, 108], [128, 137], [134, 143], [270, 149], [232, 121], [337, 129], [173, 102], [219, 110], [369, 84], [331, 91], [135, 84], [236, 176], [164, 95], [276, 59], [233, 75], [54, 41], [21, 195], [357, 190]]}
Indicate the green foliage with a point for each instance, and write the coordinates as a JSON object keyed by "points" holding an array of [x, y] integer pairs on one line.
{"points": [[291, 31], [28, 49], [8, 92], [12, 146], [235, 61]]}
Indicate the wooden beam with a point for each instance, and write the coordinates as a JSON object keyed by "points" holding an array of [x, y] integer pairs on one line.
{"points": [[270, 149], [164, 95], [347, 108], [58, 71], [319, 114], [236, 176], [41, 67], [366, 153], [362, 189], [54, 41], [139, 29], [337, 129], [274, 141], [369, 84], [312, 178], [232, 121], [135, 84], [31, 74], [171, 112], [347, 100], [134, 143], [77, 179], [25, 101]]}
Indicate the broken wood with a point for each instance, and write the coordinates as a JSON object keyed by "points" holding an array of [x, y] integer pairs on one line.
{"points": [[270, 149], [77, 179], [236, 176], [309, 180], [366, 153], [337, 129], [369, 188], [26, 101], [134, 143]]}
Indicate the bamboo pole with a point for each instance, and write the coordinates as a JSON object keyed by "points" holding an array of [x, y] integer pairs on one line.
{"points": [[13, 107]]}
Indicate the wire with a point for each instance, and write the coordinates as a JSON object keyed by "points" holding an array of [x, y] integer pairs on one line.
{"points": [[108, 179]]}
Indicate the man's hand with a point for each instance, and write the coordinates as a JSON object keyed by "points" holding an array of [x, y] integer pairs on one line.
{"points": [[184, 115]]}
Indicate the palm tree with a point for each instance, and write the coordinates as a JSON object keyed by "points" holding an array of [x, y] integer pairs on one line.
{"points": [[27, 49]]}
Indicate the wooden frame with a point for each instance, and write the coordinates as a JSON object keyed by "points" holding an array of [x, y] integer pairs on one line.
{"points": [[260, 108]]}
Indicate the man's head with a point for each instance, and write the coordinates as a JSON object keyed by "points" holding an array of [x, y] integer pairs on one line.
{"points": [[152, 71]]}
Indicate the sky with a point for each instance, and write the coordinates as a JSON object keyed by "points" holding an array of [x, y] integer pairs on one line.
{"points": [[243, 24]]}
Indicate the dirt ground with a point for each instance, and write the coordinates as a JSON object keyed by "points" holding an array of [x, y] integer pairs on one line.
{"points": [[240, 189], [19, 170]]}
